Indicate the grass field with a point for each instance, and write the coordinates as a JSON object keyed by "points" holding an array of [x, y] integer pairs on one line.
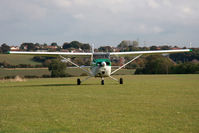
{"points": [[151, 103], [23, 72], [41, 71], [18, 59]]}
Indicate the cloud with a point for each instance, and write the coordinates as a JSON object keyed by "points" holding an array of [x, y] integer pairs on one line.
{"points": [[62, 3], [79, 16], [100, 21], [153, 4], [187, 10]]}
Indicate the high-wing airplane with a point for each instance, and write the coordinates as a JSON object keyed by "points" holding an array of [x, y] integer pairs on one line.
{"points": [[100, 62]]}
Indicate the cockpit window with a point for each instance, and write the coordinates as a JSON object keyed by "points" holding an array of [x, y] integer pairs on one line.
{"points": [[107, 63], [98, 62]]}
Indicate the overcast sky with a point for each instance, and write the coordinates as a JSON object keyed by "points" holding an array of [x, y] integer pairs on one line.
{"points": [[102, 22]]}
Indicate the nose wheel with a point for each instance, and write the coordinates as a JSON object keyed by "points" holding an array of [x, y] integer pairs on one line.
{"points": [[102, 81], [78, 81]]}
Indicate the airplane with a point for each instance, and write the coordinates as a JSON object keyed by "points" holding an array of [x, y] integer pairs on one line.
{"points": [[100, 61]]}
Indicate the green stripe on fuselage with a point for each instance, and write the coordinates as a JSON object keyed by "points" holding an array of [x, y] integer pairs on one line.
{"points": [[99, 61]]}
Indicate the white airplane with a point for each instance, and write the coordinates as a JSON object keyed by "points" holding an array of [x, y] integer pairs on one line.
{"points": [[100, 62]]}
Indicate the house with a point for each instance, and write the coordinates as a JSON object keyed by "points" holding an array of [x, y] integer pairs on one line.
{"points": [[52, 47], [175, 48], [14, 48]]}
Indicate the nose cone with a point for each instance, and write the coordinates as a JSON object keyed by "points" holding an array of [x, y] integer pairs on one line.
{"points": [[103, 64]]}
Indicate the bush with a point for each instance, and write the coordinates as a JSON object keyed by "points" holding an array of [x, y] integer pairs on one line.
{"points": [[24, 66], [84, 74], [46, 76], [185, 68], [57, 68], [155, 64], [139, 71], [31, 76], [9, 77]]}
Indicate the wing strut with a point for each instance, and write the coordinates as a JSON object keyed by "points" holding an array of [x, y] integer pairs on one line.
{"points": [[113, 78], [68, 60], [126, 64]]}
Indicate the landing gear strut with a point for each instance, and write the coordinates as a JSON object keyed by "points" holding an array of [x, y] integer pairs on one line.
{"points": [[120, 80], [102, 82], [78, 81]]}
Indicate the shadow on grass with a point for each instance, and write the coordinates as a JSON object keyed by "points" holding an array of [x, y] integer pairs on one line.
{"points": [[65, 84], [57, 85]]}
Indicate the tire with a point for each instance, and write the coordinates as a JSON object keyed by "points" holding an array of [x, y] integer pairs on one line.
{"points": [[121, 80], [102, 82], [78, 81]]}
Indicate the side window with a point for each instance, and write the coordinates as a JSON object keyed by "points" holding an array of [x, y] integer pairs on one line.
{"points": [[107, 63], [98, 63]]}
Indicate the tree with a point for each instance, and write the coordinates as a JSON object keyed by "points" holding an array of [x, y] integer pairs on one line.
{"points": [[31, 47], [185, 68], [184, 57], [153, 48], [105, 49], [5, 48], [28, 46], [165, 47], [135, 44], [156, 64], [124, 44], [75, 44], [85, 47], [66, 45], [57, 68]]}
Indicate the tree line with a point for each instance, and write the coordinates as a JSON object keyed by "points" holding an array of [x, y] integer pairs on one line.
{"points": [[158, 64], [179, 63], [4, 48]]}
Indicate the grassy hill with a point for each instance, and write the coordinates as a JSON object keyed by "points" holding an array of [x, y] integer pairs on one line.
{"points": [[143, 104], [23, 72], [18, 59]]}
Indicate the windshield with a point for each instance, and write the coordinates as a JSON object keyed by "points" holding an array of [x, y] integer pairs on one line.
{"points": [[98, 62]]}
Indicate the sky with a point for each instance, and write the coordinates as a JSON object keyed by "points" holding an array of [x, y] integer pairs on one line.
{"points": [[100, 22]]}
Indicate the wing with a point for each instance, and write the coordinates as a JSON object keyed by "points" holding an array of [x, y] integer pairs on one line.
{"points": [[151, 52], [70, 54]]}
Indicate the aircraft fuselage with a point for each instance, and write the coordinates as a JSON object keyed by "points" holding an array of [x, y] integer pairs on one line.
{"points": [[101, 68]]}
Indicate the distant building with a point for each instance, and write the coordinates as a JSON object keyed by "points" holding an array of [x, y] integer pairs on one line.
{"points": [[122, 61], [158, 48], [14, 48], [64, 50], [115, 49], [51, 47], [175, 48]]}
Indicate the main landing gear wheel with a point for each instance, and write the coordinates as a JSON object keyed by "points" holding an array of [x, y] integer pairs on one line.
{"points": [[78, 81], [121, 80], [102, 82]]}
